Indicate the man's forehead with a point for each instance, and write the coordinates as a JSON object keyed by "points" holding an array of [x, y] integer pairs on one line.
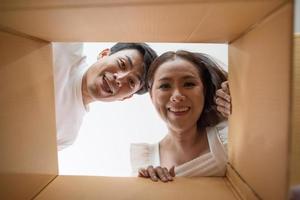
{"points": [[135, 61], [129, 52]]}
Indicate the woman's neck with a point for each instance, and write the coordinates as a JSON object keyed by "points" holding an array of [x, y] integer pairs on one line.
{"points": [[182, 139], [180, 147]]}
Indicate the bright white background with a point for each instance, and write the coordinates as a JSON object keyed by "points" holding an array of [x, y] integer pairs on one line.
{"points": [[102, 147]]}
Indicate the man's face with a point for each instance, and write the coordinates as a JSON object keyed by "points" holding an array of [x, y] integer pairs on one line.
{"points": [[115, 77]]}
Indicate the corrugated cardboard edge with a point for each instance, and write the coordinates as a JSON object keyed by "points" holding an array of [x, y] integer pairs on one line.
{"points": [[239, 186], [44, 188], [294, 151], [20, 34], [262, 20]]}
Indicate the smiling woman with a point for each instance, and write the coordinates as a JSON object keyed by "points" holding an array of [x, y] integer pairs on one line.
{"points": [[182, 86], [103, 144]]}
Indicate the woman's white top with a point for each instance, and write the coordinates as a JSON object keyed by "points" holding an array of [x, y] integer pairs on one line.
{"points": [[212, 163]]}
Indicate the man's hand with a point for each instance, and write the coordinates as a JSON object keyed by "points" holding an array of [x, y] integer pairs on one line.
{"points": [[157, 173], [223, 100]]}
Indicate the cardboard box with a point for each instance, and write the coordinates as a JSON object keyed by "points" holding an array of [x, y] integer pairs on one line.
{"points": [[259, 34]]}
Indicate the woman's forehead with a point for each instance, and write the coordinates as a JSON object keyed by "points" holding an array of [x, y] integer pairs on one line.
{"points": [[176, 67]]}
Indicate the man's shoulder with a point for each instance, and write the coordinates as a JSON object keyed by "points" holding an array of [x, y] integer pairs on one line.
{"points": [[68, 46], [67, 51]]}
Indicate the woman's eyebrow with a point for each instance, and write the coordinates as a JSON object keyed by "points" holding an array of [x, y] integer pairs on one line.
{"points": [[190, 77], [164, 79]]}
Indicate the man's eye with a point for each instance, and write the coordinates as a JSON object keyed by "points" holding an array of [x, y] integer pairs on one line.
{"points": [[122, 64], [189, 84], [131, 83], [164, 86]]}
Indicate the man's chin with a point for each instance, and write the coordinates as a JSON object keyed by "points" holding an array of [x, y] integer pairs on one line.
{"points": [[106, 98]]}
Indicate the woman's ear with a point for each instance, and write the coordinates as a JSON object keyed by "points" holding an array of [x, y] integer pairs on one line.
{"points": [[103, 53]]}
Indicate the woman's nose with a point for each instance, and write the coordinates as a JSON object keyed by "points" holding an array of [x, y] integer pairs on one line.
{"points": [[177, 97]]}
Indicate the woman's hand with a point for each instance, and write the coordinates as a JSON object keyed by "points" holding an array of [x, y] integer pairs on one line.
{"points": [[223, 100], [157, 173]]}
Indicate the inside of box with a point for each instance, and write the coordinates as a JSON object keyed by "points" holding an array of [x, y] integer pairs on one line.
{"points": [[259, 75], [94, 152]]}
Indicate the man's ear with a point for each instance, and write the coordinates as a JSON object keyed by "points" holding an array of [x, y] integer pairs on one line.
{"points": [[126, 97], [103, 53]]}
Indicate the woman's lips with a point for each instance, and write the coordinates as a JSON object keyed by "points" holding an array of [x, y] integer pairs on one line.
{"points": [[179, 111]]}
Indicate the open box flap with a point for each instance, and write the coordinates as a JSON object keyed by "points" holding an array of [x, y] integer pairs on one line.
{"points": [[27, 119], [260, 83], [159, 21]]}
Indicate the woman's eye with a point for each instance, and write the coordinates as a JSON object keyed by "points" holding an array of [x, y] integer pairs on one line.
{"points": [[189, 84], [164, 86]]}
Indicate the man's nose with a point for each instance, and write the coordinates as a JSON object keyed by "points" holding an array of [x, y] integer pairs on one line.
{"points": [[177, 96], [121, 78]]}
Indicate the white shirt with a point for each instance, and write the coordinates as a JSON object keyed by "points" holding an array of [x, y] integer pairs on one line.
{"points": [[212, 163], [69, 67]]}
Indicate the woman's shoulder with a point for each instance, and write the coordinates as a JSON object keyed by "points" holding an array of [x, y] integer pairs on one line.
{"points": [[142, 155], [221, 131], [141, 151]]}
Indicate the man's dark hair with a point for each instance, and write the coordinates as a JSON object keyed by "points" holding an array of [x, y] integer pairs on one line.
{"points": [[149, 56]]}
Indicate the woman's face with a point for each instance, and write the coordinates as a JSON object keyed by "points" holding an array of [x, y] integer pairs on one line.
{"points": [[177, 94]]}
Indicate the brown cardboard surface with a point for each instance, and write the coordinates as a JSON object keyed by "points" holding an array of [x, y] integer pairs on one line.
{"points": [[80, 187], [21, 4], [28, 136], [259, 75], [295, 139], [163, 21], [240, 186]]}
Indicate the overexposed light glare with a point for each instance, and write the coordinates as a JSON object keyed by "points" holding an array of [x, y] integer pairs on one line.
{"points": [[102, 147]]}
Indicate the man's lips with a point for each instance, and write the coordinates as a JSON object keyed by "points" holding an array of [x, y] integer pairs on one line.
{"points": [[106, 87]]}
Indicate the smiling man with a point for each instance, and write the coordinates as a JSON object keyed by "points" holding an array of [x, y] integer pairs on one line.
{"points": [[118, 73]]}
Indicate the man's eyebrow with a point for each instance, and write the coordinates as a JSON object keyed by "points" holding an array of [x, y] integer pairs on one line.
{"points": [[131, 66], [130, 61], [140, 80]]}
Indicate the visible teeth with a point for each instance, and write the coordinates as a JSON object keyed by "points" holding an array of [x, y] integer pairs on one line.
{"points": [[179, 109], [108, 86]]}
